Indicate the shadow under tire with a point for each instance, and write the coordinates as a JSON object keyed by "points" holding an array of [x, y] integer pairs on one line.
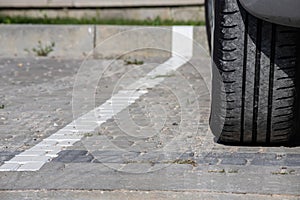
{"points": [[254, 93]]}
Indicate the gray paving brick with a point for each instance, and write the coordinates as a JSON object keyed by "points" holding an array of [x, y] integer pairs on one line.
{"points": [[230, 155], [293, 156], [9, 166], [157, 156], [5, 155], [292, 163], [267, 160], [111, 159], [108, 156], [130, 155], [137, 168], [186, 155], [234, 161], [73, 156], [207, 160], [292, 160]]}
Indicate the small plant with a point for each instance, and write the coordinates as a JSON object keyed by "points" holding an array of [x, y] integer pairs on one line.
{"points": [[134, 62], [280, 173], [284, 171], [222, 171], [41, 50], [88, 134], [188, 161], [2, 106]]}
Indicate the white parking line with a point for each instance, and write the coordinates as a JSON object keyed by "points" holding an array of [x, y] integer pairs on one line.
{"points": [[34, 158]]}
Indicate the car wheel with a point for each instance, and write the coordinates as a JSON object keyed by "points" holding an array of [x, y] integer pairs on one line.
{"points": [[254, 77]]}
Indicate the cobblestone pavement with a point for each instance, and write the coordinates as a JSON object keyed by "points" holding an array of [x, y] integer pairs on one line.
{"points": [[159, 143]]}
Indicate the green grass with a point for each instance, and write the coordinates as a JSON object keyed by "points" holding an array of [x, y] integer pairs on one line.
{"points": [[46, 20]]}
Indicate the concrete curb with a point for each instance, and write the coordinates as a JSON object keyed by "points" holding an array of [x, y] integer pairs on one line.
{"points": [[96, 3], [135, 195], [80, 40]]}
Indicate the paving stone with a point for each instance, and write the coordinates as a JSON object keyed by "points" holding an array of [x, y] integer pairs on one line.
{"points": [[130, 155], [65, 143], [43, 104], [9, 166], [295, 163], [111, 159], [33, 153], [99, 164], [292, 160], [136, 168], [233, 161], [293, 156], [29, 159], [47, 149], [157, 156], [207, 161], [267, 160], [58, 137], [109, 156], [225, 154], [5, 155], [73, 156], [31, 166]]}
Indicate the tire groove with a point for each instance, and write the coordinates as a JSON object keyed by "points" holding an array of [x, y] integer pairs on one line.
{"points": [[283, 78], [285, 121], [283, 129], [228, 39], [271, 85], [227, 50], [284, 107], [284, 115], [287, 87], [229, 26], [283, 98], [228, 60], [256, 80], [244, 79], [229, 12]]}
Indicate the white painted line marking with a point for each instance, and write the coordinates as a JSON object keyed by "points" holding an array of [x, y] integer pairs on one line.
{"points": [[9, 167], [34, 166], [28, 159], [182, 52], [33, 153]]}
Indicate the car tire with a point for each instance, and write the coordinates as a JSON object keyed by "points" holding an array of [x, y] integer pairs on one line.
{"points": [[254, 89]]}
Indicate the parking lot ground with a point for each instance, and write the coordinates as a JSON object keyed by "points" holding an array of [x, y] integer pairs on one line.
{"points": [[159, 147]]}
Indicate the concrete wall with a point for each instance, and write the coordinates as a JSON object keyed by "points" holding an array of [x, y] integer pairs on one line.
{"points": [[106, 9], [79, 41], [96, 3]]}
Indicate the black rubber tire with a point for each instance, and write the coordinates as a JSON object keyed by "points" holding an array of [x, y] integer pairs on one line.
{"points": [[254, 78]]}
